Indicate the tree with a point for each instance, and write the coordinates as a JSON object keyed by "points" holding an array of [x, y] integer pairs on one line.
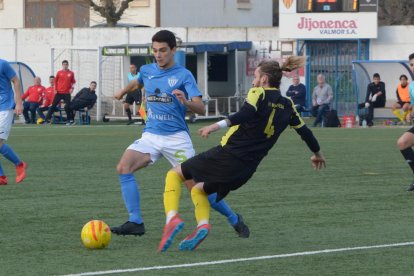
{"points": [[111, 10], [395, 12]]}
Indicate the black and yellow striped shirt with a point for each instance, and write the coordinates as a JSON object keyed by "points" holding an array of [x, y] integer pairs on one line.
{"points": [[259, 123]]}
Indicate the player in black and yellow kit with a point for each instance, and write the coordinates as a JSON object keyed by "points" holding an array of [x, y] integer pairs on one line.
{"points": [[254, 130]]}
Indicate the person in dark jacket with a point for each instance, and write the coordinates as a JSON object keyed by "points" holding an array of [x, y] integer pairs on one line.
{"points": [[85, 99], [375, 97], [297, 92]]}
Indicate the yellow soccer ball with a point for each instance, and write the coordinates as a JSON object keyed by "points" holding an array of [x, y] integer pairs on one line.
{"points": [[39, 121], [96, 234]]}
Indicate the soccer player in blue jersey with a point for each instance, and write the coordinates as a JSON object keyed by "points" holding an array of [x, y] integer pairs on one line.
{"points": [[224, 168], [170, 90], [406, 141], [9, 100]]}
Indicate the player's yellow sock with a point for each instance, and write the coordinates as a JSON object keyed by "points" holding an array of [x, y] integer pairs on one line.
{"points": [[202, 206], [398, 114], [172, 193], [405, 114]]}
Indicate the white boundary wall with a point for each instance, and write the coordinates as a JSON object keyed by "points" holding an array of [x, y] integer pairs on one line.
{"points": [[33, 46]]}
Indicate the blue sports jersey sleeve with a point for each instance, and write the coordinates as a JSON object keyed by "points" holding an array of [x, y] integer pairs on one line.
{"points": [[411, 89], [191, 87], [8, 71], [139, 78], [6, 91]]}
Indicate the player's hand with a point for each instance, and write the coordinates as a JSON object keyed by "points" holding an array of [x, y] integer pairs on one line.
{"points": [[119, 94], [318, 161], [19, 108], [205, 131], [180, 96]]}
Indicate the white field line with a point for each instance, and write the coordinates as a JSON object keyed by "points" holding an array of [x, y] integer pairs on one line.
{"points": [[305, 253]]}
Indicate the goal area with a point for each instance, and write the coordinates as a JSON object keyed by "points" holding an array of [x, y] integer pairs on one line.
{"points": [[88, 64]]}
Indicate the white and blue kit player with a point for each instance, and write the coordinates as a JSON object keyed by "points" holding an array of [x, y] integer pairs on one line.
{"points": [[9, 100], [170, 90]]}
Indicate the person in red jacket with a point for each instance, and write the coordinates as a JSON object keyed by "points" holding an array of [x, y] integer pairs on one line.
{"points": [[47, 98], [32, 98], [64, 82]]}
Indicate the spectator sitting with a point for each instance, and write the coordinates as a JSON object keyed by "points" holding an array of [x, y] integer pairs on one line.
{"points": [[33, 95], [375, 97], [297, 92], [403, 96], [86, 99], [321, 98], [47, 98]]}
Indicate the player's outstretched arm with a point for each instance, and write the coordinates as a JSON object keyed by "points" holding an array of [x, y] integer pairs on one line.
{"points": [[205, 131], [318, 160], [17, 95], [132, 86]]}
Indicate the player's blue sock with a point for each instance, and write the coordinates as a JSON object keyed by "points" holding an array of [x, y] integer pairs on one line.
{"points": [[9, 153], [1, 170], [223, 208], [130, 193]]}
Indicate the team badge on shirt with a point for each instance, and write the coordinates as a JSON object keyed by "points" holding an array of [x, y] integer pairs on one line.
{"points": [[172, 81]]}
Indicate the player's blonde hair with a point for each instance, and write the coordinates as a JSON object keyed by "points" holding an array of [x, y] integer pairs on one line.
{"points": [[274, 71]]}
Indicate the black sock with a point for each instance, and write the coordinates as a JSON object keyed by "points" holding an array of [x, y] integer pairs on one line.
{"points": [[128, 112], [409, 157]]}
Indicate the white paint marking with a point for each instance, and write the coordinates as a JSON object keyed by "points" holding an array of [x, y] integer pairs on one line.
{"points": [[244, 259]]}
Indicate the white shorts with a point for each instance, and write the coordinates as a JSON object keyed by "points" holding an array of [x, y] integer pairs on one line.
{"points": [[6, 120], [176, 147]]}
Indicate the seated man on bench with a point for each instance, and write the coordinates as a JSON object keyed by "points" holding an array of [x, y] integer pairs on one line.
{"points": [[404, 102], [375, 98], [85, 99], [321, 98]]}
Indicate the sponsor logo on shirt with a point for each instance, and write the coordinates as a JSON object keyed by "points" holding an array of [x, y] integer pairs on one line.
{"points": [[159, 116]]}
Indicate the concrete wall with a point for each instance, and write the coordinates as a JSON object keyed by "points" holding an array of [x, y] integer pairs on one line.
{"points": [[393, 42], [12, 15], [216, 13], [33, 46]]}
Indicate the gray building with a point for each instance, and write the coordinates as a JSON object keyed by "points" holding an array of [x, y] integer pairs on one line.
{"points": [[216, 13]]}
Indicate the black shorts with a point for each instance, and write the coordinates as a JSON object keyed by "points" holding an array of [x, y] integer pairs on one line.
{"points": [[411, 130], [220, 171], [403, 103], [133, 97]]}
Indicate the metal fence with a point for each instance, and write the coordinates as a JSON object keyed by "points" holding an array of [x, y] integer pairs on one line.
{"points": [[334, 60]]}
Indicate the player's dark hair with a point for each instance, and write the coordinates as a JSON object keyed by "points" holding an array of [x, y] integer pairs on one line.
{"points": [[410, 57], [274, 71], [50, 77], [94, 82], [376, 75], [65, 61], [403, 76], [165, 36]]}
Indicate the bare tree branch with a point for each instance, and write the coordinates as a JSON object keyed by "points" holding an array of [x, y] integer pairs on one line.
{"points": [[108, 9], [124, 6]]}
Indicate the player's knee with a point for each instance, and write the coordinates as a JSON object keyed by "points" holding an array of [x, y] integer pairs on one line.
{"points": [[123, 168], [403, 143]]}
